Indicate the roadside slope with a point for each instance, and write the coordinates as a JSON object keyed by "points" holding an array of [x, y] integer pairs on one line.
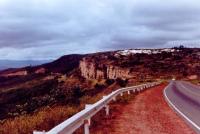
{"points": [[147, 113]]}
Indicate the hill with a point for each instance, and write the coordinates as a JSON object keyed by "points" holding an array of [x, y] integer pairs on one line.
{"points": [[142, 64], [4, 64], [74, 80]]}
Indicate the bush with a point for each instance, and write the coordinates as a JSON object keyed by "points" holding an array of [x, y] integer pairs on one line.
{"points": [[122, 82], [109, 81], [69, 96], [99, 86]]}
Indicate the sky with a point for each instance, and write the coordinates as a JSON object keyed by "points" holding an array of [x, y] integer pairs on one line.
{"points": [[48, 29]]}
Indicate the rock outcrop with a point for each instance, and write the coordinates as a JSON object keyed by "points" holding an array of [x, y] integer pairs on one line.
{"points": [[92, 70]]}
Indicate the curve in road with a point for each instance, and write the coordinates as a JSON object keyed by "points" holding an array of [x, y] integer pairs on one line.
{"points": [[184, 98]]}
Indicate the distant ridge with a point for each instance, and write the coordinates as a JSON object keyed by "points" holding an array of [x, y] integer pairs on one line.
{"points": [[5, 64]]}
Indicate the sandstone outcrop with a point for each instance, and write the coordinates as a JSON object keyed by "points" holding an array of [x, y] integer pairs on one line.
{"points": [[93, 70]]}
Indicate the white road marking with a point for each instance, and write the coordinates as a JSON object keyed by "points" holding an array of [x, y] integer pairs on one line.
{"points": [[182, 114]]}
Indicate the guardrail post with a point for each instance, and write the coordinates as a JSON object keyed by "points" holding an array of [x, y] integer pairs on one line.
{"points": [[114, 98], [121, 94], [87, 122], [107, 109], [39, 132], [128, 92], [86, 126]]}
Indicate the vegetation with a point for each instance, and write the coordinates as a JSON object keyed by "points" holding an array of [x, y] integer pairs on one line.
{"points": [[122, 82], [41, 101], [47, 117], [44, 119]]}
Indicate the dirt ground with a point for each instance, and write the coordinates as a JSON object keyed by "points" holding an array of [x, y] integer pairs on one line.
{"points": [[146, 113]]}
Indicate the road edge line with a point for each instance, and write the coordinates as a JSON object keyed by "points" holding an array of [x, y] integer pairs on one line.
{"points": [[177, 110]]}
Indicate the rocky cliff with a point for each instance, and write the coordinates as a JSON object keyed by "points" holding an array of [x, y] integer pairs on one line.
{"points": [[94, 70]]}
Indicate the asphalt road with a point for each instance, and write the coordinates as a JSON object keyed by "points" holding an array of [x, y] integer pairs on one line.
{"points": [[184, 98]]}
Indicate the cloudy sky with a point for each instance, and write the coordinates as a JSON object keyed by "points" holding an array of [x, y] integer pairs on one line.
{"points": [[47, 29]]}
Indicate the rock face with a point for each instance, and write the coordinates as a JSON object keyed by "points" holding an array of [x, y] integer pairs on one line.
{"points": [[87, 69], [93, 70], [114, 72]]}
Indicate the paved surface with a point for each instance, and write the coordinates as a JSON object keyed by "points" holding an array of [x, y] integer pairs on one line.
{"points": [[184, 98], [147, 113]]}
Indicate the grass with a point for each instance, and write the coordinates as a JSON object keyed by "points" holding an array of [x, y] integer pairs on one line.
{"points": [[46, 118], [196, 81]]}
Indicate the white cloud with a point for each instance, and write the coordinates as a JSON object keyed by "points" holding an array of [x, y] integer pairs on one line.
{"points": [[52, 26]]}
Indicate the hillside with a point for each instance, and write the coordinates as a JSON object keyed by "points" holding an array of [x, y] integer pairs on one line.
{"points": [[142, 64], [74, 80], [62, 65]]}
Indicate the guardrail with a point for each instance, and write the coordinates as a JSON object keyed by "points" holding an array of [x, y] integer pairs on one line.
{"points": [[83, 117]]}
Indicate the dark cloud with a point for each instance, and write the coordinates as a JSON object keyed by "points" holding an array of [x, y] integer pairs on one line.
{"points": [[45, 29]]}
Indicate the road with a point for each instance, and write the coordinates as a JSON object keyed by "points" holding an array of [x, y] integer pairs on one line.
{"points": [[184, 98]]}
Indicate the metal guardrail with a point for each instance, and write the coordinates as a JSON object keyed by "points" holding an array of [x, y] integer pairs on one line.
{"points": [[83, 117]]}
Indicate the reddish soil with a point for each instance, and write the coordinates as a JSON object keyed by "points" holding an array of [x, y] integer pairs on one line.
{"points": [[146, 113]]}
